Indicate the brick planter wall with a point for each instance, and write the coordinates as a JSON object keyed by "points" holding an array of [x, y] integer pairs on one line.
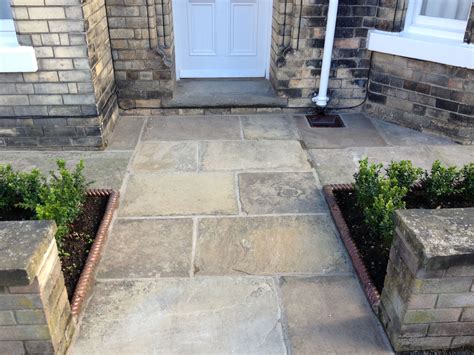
{"points": [[428, 297], [35, 316], [69, 100]]}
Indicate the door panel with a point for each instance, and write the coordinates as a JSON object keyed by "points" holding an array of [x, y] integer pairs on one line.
{"points": [[222, 38], [201, 28], [243, 28]]}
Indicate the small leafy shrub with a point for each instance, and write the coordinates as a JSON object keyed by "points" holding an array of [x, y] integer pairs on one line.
{"points": [[467, 181], [379, 195], [57, 197], [403, 173], [367, 182], [8, 180], [17, 187], [441, 181], [61, 198]]}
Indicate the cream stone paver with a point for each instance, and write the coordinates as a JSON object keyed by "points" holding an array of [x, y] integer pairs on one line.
{"points": [[268, 245], [142, 248], [102, 169], [339, 165], [192, 128], [264, 193], [269, 127], [215, 212], [253, 155], [126, 133], [166, 157], [330, 315], [219, 315], [179, 194]]}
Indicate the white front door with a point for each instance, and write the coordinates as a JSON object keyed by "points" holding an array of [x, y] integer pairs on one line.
{"points": [[222, 38]]}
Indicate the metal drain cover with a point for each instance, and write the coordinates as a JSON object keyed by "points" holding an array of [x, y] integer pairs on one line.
{"points": [[325, 121]]}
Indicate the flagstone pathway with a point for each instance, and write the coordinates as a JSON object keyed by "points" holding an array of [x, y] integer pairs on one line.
{"points": [[223, 242]]}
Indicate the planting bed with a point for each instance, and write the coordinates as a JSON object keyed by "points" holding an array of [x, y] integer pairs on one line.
{"points": [[82, 246], [368, 254]]}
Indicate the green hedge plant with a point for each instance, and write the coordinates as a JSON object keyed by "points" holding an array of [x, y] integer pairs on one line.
{"points": [[58, 196], [380, 192]]}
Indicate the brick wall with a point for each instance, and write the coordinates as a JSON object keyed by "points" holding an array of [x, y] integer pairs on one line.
{"points": [[427, 302], [35, 315], [423, 95], [64, 103], [420, 94], [142, 50], [295, 65]]}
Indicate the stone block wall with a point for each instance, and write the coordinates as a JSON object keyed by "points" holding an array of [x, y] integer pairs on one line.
{"points": [[35, 316], [427, 301], [69, 100], [295, 64], [420, 94], [142, 45], [423, 95]]}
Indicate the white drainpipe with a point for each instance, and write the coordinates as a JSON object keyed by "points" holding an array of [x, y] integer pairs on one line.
{"points": [[322, 98]]}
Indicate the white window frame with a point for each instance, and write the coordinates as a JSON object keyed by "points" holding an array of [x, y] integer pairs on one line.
{"points": [[439, 40], [432, 26], [13, 57]]}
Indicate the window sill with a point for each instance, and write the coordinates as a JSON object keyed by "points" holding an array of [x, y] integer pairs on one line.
{"points": [[17, 59], [433, 49]]}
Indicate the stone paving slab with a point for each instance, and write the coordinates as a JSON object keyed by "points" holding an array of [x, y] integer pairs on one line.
{"points": [[126, 133], [271, 193], [166, 157], [180, 194], [105, 169], [193, 128], [330, 315], [253, 155], [401, 136], [269, 127], [338, 165], [220, 315], [148, 248], [359, 132], [268, 245]]}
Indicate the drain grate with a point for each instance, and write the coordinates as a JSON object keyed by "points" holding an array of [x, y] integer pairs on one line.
{"points": [[325, 121]]}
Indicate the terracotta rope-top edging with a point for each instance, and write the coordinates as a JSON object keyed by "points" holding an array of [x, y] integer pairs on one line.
{"points": [[83, 286], [370, 291]]}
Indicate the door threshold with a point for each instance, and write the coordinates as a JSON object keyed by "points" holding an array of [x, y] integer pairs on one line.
{"points": [[251, 92]]}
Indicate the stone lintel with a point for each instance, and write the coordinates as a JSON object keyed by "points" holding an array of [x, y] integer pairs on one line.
{"points": [[439, 239], [22, 248]]}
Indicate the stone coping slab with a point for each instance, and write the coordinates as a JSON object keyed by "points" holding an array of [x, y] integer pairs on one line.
{"points": [[22, 248], [440, 238]]}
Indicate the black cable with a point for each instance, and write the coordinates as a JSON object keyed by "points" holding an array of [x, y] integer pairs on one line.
{"points": [[284, 26], [163, 22], [148, 24], [299, 26]]}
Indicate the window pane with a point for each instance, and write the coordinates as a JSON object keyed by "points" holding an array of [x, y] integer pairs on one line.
{"points": [[452, 9], [5, 12]]}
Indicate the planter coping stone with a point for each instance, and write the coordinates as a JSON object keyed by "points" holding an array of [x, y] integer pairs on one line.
{"points": [[22, 248], [439, 238]]}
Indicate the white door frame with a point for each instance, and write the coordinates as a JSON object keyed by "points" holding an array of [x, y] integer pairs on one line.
{"points": [[267, 36]]}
